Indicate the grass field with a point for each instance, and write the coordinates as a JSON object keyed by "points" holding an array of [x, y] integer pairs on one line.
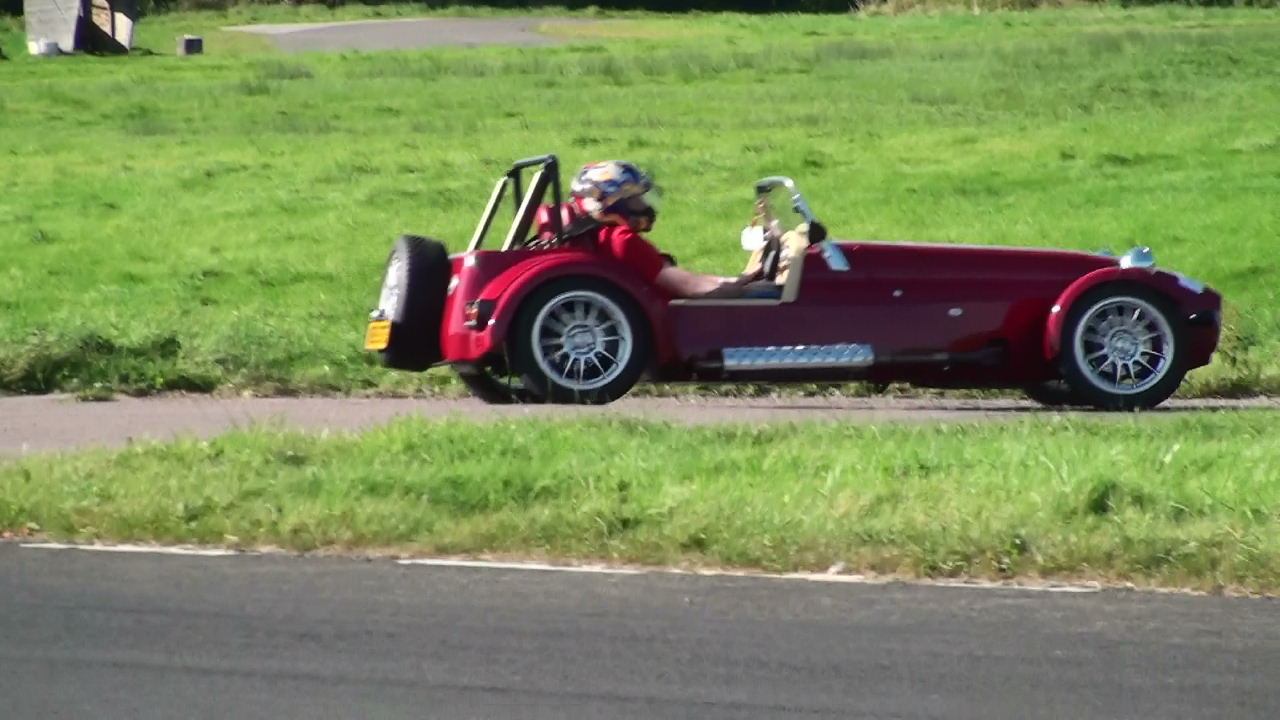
{"points": [[1168, 499], [220, 222]]}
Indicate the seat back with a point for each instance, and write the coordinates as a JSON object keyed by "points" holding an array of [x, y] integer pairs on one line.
{"points": [[543, 219]]}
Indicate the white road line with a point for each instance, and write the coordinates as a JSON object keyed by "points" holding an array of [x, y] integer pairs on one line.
{"points": [[485, 564], [827, 577], [149, 549], [985, 585], [808, 577], [856, 579]]}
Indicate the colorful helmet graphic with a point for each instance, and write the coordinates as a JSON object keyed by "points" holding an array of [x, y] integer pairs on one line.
{"points": [[613, 192]]}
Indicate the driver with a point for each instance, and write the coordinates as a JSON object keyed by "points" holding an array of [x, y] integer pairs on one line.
{"points": [[612, 194]]}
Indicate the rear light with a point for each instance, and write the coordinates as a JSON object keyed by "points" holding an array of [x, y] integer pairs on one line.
{"points": [[476, 313]]}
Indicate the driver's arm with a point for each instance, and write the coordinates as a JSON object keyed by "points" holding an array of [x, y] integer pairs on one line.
{"points": [[679, 282]]}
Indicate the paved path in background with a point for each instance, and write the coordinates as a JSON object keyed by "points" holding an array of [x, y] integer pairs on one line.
{"points": [[105, 636], [44, 423], [407, 34]]}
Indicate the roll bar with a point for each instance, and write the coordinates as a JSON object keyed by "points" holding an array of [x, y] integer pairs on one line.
{"points": [[525, 201]]}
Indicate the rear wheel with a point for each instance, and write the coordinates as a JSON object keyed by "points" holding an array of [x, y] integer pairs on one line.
{"points": [[579, 340], [412, 298], [1123, 348], [489, 387], [1053, 393]]}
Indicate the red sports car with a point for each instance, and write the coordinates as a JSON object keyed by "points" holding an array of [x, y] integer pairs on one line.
{"points": [[547, 318]]}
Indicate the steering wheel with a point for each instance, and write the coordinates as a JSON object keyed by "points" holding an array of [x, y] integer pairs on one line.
{"points": [[771, 257], [771, 252]]}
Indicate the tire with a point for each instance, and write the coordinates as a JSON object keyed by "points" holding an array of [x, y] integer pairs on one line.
{"points": [[1123, 348], [491, 389], [1053, 393], [412, 297], [577, 320]]}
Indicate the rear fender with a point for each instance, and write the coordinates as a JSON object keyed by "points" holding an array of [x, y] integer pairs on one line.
{"points": [[1153, 278], [510, 289]]}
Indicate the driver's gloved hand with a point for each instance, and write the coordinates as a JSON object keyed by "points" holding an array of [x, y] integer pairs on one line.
{"points": [[773, 232]]}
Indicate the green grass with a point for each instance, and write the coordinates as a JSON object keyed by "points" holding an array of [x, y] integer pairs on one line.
{"points": [[219, 222], [1167, 499]]}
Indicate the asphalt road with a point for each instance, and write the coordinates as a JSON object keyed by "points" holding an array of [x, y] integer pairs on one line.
{"points": [[43, 423], [409, 33], [97, 635]]}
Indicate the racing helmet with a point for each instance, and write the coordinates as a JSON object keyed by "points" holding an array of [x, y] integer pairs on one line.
{"points": [[613, 192]]}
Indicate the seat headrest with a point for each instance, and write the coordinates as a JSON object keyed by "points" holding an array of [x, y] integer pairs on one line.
{"points": [[542, 219]]}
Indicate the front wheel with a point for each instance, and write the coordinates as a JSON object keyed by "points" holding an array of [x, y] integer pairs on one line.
{"points": [[1123, 348], [579, 340]]}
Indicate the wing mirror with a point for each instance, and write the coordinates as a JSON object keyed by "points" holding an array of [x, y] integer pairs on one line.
{"points": [[817, 232]]}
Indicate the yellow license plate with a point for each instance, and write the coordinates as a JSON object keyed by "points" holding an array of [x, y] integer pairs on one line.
{"points": [[377, 335]]}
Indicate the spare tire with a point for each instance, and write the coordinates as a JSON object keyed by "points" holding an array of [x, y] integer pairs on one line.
{"points": [[413, 292]]}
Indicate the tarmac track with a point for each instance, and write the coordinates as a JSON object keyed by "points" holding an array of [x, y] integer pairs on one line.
{"points": [[103, 636], [409, 33], [43, 423]]}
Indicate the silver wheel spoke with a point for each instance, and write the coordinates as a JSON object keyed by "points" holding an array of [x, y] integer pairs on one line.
{"points": [[593, 359], [572, 331], [1117, 338]]}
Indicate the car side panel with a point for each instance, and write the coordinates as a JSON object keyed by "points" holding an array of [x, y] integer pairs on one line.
{"points": [[702, 328], [907, 301], [941, 300]]}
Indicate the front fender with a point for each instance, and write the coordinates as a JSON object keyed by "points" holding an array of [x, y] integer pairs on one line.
{"points": [[1164, 282], [509, 290]]}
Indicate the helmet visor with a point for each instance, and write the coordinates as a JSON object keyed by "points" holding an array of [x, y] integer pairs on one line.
{"points": [[635, 212]]}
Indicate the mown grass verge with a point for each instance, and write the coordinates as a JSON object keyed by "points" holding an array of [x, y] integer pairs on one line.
{"points": [[1168, 499], [220, 222]]}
